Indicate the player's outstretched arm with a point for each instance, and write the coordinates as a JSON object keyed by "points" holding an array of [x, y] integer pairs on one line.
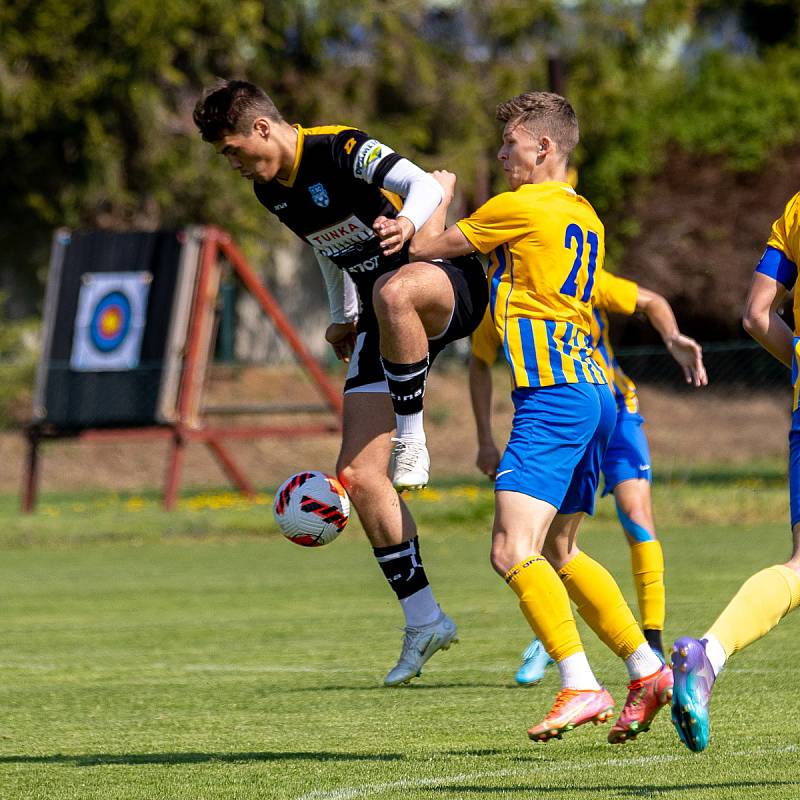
{"points": [[762, 321], [480, 392], [431, 237], [423, 196], [685, 350]]}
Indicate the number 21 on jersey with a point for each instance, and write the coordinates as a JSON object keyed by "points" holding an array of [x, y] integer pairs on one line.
{"points": [[575, 237]]}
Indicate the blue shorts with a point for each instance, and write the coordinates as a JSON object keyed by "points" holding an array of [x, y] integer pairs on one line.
{"points": [[794, 468], [628, 454], [557, 441]]}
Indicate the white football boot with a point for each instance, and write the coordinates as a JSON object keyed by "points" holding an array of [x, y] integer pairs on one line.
{"points": [[419, 644], [410, 464]]}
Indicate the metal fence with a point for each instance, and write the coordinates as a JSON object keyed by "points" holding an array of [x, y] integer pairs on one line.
{"points": [[739, 363]]}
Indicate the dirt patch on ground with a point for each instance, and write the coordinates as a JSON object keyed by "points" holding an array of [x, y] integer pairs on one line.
{"points": [[685, 429]]}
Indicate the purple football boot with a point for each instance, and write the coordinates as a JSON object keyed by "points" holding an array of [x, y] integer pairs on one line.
{"points": [[691, 694]]}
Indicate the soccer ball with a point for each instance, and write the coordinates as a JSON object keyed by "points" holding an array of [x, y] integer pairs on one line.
{"points": [[311, 508]]}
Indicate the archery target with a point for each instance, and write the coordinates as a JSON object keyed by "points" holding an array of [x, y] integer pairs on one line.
{"points": [[110, 321]]}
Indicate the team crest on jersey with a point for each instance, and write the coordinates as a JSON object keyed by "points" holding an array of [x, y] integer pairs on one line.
{"points": [[319, 194]]}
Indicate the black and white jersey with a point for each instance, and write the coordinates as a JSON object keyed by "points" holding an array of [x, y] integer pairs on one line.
{"points": [[333, 195]]}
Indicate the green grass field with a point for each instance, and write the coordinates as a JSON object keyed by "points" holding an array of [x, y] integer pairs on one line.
{"points": [[200, 655]]}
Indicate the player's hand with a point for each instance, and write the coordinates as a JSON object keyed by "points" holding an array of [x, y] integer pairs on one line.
{"points": [[688, 353], [393, 233], [342, 338], [488, 459], [447, 180]]}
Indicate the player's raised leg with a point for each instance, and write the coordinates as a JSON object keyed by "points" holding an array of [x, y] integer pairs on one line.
{"points": [[521, 523], [362, 468], [413, 304]]}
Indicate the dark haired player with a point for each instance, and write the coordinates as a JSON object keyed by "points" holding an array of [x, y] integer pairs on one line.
{"points": [[357, 203]]}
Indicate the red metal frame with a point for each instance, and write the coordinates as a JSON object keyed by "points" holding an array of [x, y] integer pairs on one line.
{"points": [[188, 427]]}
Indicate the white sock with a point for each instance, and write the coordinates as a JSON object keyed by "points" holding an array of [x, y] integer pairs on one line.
{"points": [[420, 608], [715, 653], [409, 426], [642, 662], [576, 673]]}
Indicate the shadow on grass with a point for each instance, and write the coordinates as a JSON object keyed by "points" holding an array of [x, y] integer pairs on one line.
{"points": [[100, 759], [735, 787]]}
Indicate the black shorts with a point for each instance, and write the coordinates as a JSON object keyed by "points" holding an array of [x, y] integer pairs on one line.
{"points": [[471, 293]]}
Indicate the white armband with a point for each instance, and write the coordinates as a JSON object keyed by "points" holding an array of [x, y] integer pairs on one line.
{"points": [[421, 191], [342, 295]]}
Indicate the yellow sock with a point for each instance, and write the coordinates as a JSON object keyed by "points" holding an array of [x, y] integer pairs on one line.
{"points": [[545, 604], [647, 562], [600, 602], [761, 603]]}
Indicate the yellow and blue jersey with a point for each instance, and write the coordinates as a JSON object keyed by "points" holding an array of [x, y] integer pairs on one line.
{"points": [[780, 261], [619, 296], [611, 294], [546, 248]]}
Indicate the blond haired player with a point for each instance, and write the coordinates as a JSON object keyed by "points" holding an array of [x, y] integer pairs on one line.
{"points": [[626, 465], [546, 247]]}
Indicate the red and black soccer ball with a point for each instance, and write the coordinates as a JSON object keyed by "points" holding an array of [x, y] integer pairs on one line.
{"points": [[311, 508]]}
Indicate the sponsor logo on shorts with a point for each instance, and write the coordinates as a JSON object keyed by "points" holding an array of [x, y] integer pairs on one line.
{"points": [[340, 237], [644, 467], [504, 472], [365, 266]]}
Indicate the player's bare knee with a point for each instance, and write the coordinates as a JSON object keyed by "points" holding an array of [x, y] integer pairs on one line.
{"points": [[498, 563], [354, 479], [643, 520], [501, 557], [390, 294]]}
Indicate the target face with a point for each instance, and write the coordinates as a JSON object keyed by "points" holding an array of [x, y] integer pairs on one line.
{"points": [[109, 324]]}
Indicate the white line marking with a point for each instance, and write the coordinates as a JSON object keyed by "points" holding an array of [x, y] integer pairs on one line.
{"points": [[350, 793]]}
